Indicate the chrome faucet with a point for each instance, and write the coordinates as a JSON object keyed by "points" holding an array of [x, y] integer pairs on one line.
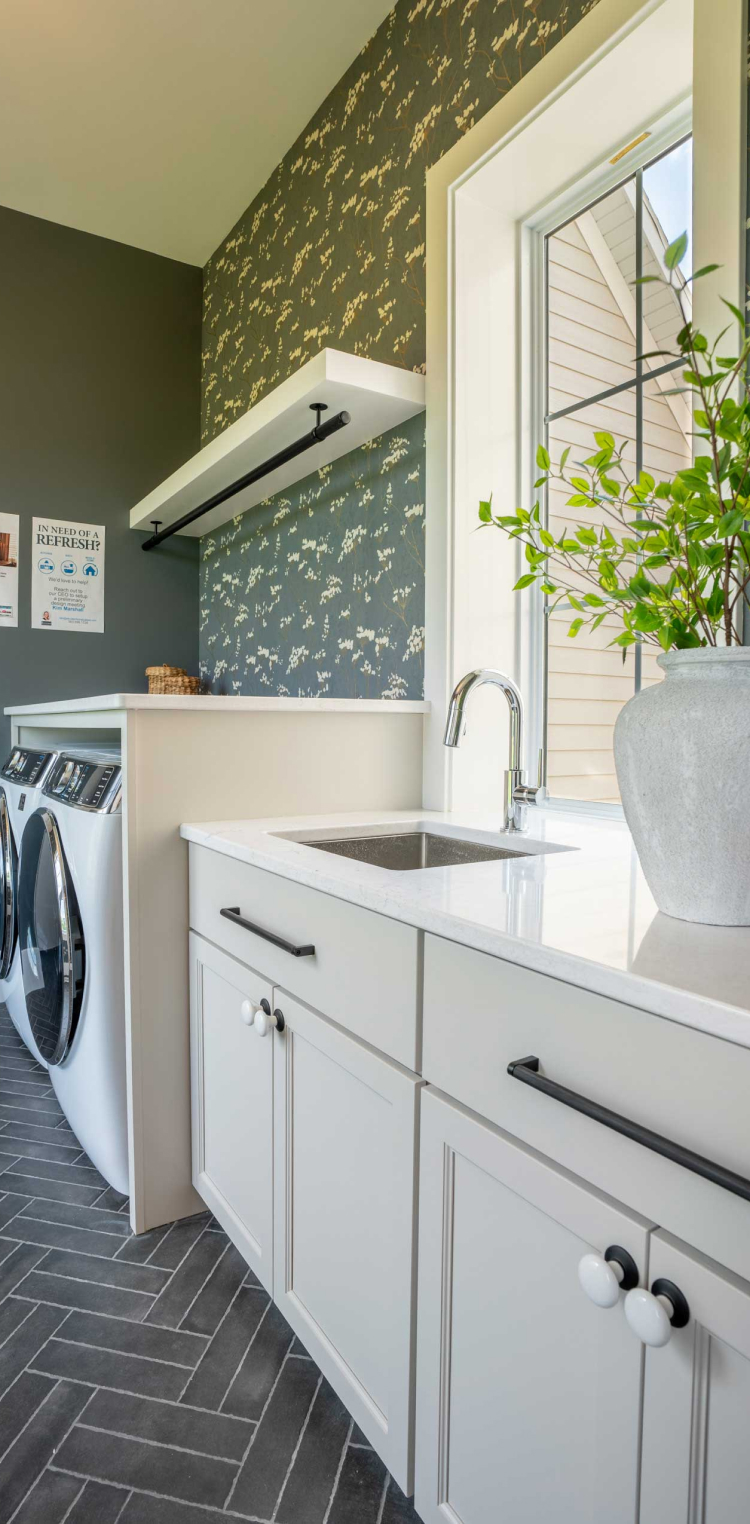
{"points": [[517, 794]]}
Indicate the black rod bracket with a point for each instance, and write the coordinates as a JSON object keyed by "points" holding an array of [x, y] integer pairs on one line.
{"points": [[316, 435]]}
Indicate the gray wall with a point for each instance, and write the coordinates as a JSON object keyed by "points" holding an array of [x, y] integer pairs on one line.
{"points": [[99, 400]]}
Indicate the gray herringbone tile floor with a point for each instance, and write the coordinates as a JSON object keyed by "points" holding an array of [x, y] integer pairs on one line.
{"points": [[149, 1380]]}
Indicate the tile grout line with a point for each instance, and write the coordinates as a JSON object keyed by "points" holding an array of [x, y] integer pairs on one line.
{"points": [[50, 1224], [246, 1351], [260, 1420], [383, 1495], [339, 1470], [181, 1262], [210, 1511], [158, 1444], [75, 1502], [124, 1354], [124, 1506], [20, 1325], [295, 1451], [202, 1287]]}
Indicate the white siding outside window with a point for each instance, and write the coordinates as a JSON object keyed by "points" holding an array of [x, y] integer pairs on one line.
{"points": [[592, 345]]}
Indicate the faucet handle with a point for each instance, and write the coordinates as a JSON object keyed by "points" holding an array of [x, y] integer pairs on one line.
{"points": [[523, 794]]}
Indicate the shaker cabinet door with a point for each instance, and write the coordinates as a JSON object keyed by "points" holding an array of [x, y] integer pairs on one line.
{"points": [[528, 1394], [232, 1101], [345, 1168], [696, 1416]]}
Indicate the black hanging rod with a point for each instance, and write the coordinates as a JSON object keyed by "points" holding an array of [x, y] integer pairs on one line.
{"points": [[316, 435]]}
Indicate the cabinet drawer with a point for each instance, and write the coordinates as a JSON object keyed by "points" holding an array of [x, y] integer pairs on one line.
{"points": [[363, 973], [481, 1013]]}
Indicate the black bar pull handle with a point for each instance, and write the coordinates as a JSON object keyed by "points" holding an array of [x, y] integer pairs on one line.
{"points": [[527, 1071], [233, 914]]}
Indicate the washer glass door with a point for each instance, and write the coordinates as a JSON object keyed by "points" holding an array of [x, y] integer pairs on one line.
{"points": [[8, 873], [53, 954]]}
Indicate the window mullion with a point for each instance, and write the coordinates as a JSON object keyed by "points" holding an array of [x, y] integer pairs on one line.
{"points": [[639, 345]]}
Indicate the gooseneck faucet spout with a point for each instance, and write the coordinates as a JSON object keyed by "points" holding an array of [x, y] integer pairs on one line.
{"points": [[517, 794]]}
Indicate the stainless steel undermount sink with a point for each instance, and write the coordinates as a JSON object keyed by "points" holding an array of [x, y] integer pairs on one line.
{"points": [[406, 850]]}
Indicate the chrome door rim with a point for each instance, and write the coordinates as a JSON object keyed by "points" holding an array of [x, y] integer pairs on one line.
{"points": [[8, 908], [67, 949]]}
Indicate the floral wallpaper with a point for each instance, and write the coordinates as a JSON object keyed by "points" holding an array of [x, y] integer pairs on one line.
{"points": [[332, 253], [322, 591]]}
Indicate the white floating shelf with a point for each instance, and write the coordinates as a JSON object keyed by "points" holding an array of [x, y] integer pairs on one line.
{"points": [[378, 397]]}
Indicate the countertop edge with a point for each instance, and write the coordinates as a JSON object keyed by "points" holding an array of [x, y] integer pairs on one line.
{"points": [[226, 703]]}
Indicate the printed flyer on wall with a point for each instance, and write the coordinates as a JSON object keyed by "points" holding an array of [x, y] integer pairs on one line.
{"points": [[67, 576], [9, 568]]}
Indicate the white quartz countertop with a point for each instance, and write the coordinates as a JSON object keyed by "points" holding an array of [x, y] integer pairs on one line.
{"points": [[581, 912], [214, 702]]}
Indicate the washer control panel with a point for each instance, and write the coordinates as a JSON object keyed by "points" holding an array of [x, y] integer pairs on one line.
{"points": [[29, 767], [86, 784]]}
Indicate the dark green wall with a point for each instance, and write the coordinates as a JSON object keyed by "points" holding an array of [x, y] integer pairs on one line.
{"points": [[322, 591], [99, 400]]}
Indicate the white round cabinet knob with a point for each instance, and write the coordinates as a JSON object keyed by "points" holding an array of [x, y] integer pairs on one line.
{"points": [[604, 1276], [262, 1022], [600, 1280], [649, 1317], [247, 1012], [653, 1314]]}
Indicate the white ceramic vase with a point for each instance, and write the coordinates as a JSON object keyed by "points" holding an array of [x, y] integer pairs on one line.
{"points": [[682, 752]]}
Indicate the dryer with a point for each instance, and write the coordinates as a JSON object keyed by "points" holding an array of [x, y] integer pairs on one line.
{"points": [[21, 781], [71, 942]]}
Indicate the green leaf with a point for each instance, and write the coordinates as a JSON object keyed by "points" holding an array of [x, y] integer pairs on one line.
{"points": [[564, 457], [675, 251], [524, 581], [704, 270], [575, 627], [485, 512], [730, 522], [735, 311], [605, 441], [542, 458]]}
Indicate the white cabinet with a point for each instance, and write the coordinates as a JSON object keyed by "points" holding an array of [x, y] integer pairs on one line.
{"points": [[345, 1163], [232, 1101], [528, 1395], [696, 1421]]}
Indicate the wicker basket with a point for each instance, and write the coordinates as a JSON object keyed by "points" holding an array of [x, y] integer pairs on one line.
{"points": [[172, 680]]}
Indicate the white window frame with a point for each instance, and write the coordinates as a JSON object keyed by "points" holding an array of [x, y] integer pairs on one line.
{"points": [[462, 399], [560, 210]]}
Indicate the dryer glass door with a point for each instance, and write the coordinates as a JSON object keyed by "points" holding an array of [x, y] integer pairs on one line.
{"points": [[53, 954], [8, 870]]}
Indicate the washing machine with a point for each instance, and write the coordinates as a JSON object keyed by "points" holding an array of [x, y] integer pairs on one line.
{"points": [[71, 944], [21, 781]]}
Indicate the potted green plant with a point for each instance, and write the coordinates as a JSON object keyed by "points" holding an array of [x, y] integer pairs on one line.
{"points": [[669, 561]]}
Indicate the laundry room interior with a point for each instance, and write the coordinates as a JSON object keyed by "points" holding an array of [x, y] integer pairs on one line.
{"points": [[374, 743]]}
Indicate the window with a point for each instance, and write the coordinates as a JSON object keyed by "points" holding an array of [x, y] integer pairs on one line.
{"points": [[598, 325]]}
